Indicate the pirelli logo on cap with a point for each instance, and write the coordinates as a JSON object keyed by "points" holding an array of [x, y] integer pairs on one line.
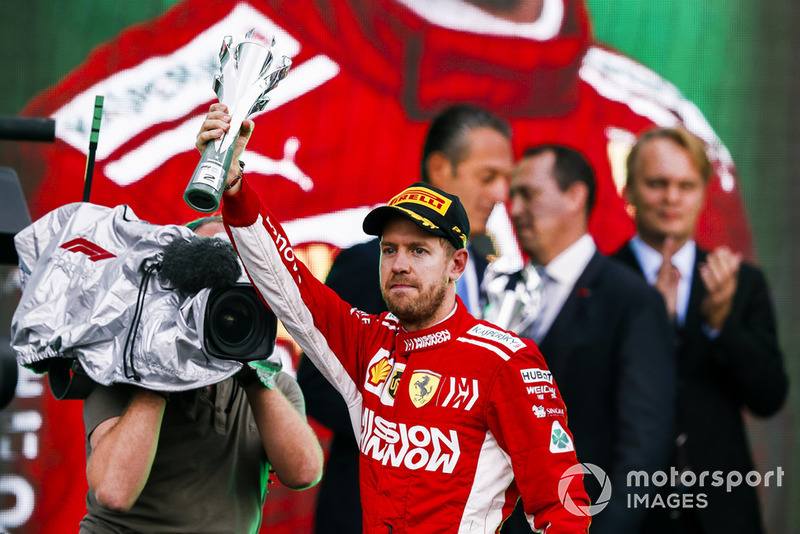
{"points": [[423, 197]]}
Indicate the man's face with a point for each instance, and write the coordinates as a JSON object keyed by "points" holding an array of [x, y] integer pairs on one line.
{"points": [[482, 179], [667, 191], [540, 211], [414, 271], [210, 229]]}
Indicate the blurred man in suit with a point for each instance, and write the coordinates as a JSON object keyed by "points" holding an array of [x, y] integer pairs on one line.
{"points": [[603, 332], [467, 152], [728, 353]]}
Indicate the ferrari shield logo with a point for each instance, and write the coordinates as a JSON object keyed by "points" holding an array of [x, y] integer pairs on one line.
{"points": [[422, 386]]}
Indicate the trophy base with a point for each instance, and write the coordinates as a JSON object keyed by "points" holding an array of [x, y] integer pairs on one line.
{"points": [[203, 198]]}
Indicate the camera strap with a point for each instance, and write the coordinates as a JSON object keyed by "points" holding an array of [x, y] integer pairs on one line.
{"points": [[127, 353]]}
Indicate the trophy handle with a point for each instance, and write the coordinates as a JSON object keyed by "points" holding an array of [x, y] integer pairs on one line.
{"points": [[204, 191]]}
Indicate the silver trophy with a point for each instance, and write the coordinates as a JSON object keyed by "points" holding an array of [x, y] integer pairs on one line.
{"points": [[242, 84], [514, 298]]}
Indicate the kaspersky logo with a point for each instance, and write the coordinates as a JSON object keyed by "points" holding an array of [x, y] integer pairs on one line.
{"points": [[84, 246]]}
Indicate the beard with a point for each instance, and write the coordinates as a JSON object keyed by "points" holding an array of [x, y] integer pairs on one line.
{"points": [[413, 311]]}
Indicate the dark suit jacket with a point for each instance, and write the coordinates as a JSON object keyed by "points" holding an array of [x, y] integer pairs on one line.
{"points": [[717, 378], [611, 352], [355, 277]]}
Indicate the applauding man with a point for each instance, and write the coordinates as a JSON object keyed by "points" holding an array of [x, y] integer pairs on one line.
{"points": [[728, 354]]}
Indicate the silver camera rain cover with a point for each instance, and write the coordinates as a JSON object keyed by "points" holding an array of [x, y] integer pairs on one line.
{"points": [[82, 266]]}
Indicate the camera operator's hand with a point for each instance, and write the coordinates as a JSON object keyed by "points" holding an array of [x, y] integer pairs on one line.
{"points": [[216, 123], [259, 371]]}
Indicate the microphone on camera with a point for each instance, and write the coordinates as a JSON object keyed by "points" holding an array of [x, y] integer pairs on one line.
{"points": [[200, 262]]}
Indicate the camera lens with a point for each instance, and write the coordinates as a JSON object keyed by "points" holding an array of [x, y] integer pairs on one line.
{"points": [[234, 321], [238, 325]]}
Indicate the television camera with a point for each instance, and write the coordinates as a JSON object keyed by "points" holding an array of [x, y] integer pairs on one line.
{"points": [[109, 298]]}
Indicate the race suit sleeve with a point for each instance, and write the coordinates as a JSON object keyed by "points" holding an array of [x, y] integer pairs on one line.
{"points": [[327, 329], [528, 418], [352, 273]]}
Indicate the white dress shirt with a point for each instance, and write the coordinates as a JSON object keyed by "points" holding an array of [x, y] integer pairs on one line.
{"points": [[558, 278]]}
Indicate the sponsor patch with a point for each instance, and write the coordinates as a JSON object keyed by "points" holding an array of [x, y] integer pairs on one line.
{"points": [[416, 447], [532, 376], [394, 382], [422, 386], [559, 439], [541, 391], [423, 197], [365, 317], [379, 372], [541, 411], [463, 393], [429, 340], [510, 341]]}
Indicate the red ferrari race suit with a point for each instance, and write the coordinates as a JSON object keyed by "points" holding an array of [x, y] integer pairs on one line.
{"points": [[454, 422]]}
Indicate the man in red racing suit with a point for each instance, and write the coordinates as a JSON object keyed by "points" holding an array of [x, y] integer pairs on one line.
{"points": [[444, 416], [455, 418]]}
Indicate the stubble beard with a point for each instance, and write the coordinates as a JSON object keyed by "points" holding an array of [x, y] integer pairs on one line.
{"points": [[417, 311]]}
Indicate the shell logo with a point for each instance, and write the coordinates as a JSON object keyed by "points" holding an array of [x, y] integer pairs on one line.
{"points": [[379, 372]]}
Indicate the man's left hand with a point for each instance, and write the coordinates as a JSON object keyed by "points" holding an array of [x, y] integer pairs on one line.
{"points": [[720, 274]]}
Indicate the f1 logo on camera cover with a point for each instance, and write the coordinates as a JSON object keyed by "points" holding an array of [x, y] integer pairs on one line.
{"points": [[83, 246]]}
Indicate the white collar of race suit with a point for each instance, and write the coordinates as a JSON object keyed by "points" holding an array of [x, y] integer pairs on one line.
{"points": [[470, 18]]}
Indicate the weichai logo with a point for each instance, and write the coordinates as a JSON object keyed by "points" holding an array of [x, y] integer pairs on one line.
{"points": [[84, 246], [424, 197]]}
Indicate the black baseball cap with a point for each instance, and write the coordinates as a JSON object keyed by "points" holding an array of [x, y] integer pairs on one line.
{"points": [[429, 207]]}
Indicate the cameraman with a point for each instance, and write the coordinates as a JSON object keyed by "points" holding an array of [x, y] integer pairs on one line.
{"points": [[194, 461]]}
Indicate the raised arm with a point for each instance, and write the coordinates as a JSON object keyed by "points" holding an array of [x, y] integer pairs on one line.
{"points": [[319, 321]]}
